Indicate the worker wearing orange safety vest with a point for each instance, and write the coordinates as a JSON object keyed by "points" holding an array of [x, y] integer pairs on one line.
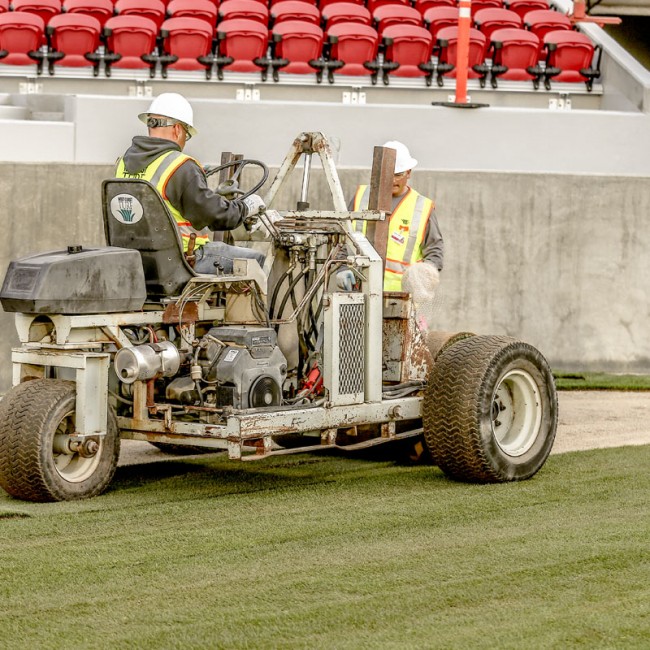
{"points": [[413, 231], [181, 181]]}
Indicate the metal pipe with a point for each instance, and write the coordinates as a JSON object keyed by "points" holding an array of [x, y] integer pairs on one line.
{"points": [[305, 178]]}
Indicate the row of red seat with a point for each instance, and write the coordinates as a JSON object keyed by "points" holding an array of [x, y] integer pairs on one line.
{"points": [[212, 12], [103, 9], [299, 47]]}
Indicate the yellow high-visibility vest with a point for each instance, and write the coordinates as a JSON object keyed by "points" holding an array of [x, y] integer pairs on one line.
{"points": [[406, 229], [158, 173]]}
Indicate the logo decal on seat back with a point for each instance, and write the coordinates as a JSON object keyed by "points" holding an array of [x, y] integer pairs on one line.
{"points": [[126, 208]]}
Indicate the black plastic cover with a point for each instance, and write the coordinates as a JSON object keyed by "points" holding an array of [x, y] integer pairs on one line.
{"points": [[75, 281]]}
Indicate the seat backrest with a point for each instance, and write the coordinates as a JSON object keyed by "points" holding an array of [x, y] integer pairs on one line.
{"points": [[424, 5], [20, 32], [46, 9], [345, 12], [571, 51], [131, 36], [522, 7], [477, 5], [355, 43], [295, 10], [298, 41], [136, 217], [517, 49], [435, 18], [326, 3], [490, 19], [101, 10], [375, 4], [186, 38], [408, 45], [247, 9], [242, 39], [152, 9], [448, 40], [396, 14], [203, 9], [542, 21], [74, 35]]}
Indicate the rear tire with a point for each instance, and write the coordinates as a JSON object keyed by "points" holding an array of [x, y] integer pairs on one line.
{"points": [[35, 463], [490, 410]]}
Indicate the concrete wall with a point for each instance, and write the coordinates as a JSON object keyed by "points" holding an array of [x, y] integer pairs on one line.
{"points": [[561, 261]]}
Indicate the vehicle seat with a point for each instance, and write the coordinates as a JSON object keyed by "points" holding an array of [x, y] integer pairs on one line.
{"points": [[135, 216]]}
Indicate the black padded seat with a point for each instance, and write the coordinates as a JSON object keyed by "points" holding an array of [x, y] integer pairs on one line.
{"points": [[136, 217]]}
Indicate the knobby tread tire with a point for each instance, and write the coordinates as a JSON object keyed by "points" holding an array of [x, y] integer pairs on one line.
{"points": [[457, 409], [28, 420]]}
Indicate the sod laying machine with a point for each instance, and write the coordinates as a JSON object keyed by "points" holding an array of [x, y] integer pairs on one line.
{"points": [[127, 341]]}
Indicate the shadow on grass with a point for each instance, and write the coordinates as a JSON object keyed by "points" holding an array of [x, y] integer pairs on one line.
{"points": [[216, 475]]}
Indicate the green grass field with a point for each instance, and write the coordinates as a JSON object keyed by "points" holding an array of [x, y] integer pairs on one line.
{"points": [[600, 381], [324, 551]]}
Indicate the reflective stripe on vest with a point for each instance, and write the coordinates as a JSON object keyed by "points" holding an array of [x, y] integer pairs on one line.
{"points": [[158, 174], [406, 229]]}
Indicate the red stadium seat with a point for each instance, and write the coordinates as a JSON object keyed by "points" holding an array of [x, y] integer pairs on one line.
{"points": [[294, 10], [490, 19], [345, 12], [477, 5], [353, 50], [375, 4], [102, 10], [543, 21], [447, 48], [46, 9], [274, 2], [4, 6], [396, 14], [187, 45], [436, 18], [74, 40], [408, 52], [522, 7], [203, 9], [152, 9], [297, 48], [327, 3], [570, 58], [424, 5], [130, 43], [248, 9], [242, 45], [515, 56], [21, 36]]}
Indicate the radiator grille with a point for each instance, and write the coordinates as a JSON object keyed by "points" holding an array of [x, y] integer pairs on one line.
{"points": [[351, 349]]}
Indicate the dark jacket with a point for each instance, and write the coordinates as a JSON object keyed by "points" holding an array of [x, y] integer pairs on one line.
{"points": [[187, 189]]}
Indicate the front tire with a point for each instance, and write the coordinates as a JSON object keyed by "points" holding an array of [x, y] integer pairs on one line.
{"points": [[36, 460], [490, 411]]}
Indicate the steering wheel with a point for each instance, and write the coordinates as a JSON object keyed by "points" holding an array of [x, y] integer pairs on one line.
{"points": [[230, 188]]}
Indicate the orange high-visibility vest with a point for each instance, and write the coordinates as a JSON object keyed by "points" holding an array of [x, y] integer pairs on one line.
{"points": [[406, 230], [158, 173]]}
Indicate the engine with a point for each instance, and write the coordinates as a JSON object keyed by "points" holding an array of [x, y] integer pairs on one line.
{"points": [[241, 367]]}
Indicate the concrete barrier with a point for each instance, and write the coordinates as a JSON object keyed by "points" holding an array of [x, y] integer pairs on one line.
{"points": [[560, 261]]}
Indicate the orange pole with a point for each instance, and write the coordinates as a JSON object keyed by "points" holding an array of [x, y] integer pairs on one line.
{"points": [[462, 59]]}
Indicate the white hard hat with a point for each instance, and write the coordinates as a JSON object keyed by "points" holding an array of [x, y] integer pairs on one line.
{"points": [[403, 160], [174, 106]]}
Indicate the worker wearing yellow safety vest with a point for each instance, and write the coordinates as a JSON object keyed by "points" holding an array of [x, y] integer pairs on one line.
{"points": [[413, 231], [181, 181]]}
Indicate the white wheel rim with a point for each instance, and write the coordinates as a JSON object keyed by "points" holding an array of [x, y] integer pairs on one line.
{"points": [[516, 413], [72, 466]]}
